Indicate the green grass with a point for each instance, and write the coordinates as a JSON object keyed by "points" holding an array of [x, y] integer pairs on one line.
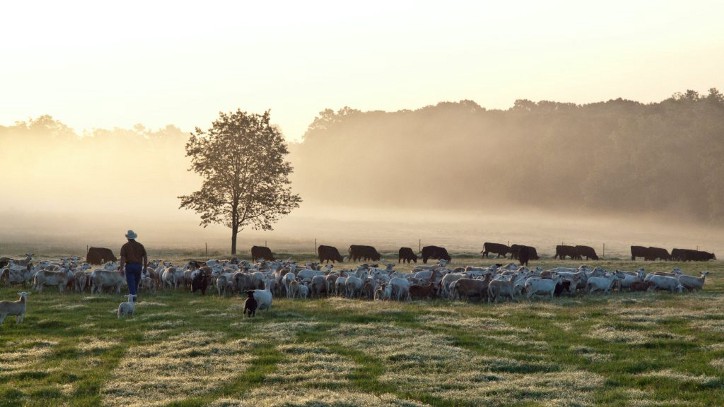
{"points": [[623, 349]]}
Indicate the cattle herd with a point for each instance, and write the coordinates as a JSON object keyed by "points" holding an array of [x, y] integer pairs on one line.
{"points": [[266, 277]]}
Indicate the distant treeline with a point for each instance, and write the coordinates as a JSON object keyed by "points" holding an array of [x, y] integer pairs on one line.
{"points": [[619, 156], [47, 164]]}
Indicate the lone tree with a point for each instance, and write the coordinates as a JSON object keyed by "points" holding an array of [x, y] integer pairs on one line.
{"points": [[241, 161]]}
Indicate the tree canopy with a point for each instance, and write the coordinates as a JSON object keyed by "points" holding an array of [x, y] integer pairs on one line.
{"points": [[245, 177]]}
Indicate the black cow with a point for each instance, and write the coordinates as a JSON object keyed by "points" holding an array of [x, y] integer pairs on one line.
{"points": [[99, 255], [657, 253], [526, 253], [497, 248], [639, 251], [361, 252], [327, 253], [434, 252], [691, 255], [563, 251], [406, 255], [587, 252], [515, 250], [261, 252]]}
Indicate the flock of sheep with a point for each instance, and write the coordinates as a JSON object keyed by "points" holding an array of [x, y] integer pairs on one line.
{"points": [[264, 280]]}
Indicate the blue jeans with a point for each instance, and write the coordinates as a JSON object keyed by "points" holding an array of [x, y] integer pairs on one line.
{"points": [[133, 276]]}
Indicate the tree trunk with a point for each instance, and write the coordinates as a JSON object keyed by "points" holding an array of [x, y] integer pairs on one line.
{"points": [[233, 241]]}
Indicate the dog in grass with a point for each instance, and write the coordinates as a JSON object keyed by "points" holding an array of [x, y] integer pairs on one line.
{"points": [[250, 304]]}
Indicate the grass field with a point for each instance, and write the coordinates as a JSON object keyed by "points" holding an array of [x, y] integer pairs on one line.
{"points": [[624, 349]]}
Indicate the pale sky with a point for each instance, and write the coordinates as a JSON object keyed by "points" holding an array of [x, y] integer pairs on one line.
{"points": [[95, 64]]}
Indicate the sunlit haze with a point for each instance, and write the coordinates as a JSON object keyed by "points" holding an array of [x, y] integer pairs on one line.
{"points": [[105, 65], [162, 68]]}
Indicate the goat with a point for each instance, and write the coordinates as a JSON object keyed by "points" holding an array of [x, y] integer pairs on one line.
{"points": [[263, 298], [693, 283], [543, 286], [419, 292], [501, 288], [16, 308], [603, 283], [668, 283]]}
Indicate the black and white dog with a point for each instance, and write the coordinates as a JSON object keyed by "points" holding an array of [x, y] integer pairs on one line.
{"points": [[250, 304]]}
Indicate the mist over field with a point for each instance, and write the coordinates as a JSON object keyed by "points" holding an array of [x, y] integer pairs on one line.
{"points": [[613, 173]]}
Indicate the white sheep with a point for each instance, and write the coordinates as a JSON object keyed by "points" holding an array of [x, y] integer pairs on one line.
{"points": [[126, 308], [16, 308]]}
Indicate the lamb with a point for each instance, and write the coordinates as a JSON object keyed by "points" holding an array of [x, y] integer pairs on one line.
{"points": [[126, 309], [16, 308], [221, 284], [250, 304], [303, 291]]}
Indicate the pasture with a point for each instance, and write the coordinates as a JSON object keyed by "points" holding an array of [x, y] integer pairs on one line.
{"points": [[623, 349]]}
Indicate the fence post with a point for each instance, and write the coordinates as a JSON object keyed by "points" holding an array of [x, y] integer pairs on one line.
{"points": [[603, 255], [207, 249]]}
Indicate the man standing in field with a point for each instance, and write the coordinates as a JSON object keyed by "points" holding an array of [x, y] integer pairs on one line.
{"points": [[133, 262]]}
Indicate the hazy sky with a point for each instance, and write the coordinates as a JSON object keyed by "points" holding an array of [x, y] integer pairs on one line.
{"points": [[94, 64]]}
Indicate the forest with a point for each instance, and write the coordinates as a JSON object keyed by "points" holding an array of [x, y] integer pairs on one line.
{"points": [[616, 157]]}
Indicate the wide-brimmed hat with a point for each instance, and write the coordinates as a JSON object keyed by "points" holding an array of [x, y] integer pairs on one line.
{"points": [[131, 234]]}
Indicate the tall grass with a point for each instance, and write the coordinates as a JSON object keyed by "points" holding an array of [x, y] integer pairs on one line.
{"points": [[623, 349]]}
